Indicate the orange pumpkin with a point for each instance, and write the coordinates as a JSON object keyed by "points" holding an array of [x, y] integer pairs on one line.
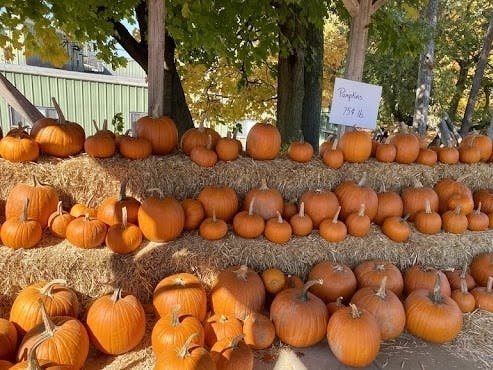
{"points": [[300, 151], [299, 317], [268, 201], [232, 353], [333, 230], [116, 323], [278, 230], [8, 339], [110, 209], [223, 199], [259, 331], [58, 137], [133, 147], [58, 222], [353, 336], [320, 205], [123, 237], [263, 141], [194, 213], [248, 224], [21, 232], [160, 131], [86, 232], [337, 280], [190, 356], [301, 224], [19, 146], [174, 329], [220, 326], [213, 228]]}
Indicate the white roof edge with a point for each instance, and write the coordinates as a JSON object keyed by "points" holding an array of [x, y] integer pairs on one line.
{"points": [[53, 72]]}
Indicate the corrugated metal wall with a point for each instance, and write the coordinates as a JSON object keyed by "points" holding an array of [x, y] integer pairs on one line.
{"points": [[82, 96]]}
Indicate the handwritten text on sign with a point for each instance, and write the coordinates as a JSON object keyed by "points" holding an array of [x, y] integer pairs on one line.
{"points": [[355, 103]]}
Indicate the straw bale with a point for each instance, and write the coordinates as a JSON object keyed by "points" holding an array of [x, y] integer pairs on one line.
{"points": [[95, 272]]}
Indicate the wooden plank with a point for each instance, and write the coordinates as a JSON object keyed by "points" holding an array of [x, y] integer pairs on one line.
{"points": [[18, 101], [156, 57]]}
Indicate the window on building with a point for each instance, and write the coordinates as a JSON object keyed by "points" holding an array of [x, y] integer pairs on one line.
{"points": [[134, 116], [15, 117]]}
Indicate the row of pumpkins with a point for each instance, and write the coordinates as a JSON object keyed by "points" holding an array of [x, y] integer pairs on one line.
{"points": [[219, 330], [122, 221], [159, 136]]}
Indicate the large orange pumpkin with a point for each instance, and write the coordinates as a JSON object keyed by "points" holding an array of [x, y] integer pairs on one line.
{"points": [[160, 131], [300, 317], [43, 201], [356, 146], [161, 219], [237, 291], [116, 324], [263, 141], [58, 137], [353, 336]]}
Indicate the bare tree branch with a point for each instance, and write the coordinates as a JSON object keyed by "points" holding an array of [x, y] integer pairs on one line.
{"points": [[376, 5], [352, 7]]}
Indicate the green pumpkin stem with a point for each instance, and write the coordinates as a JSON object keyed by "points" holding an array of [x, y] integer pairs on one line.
{"points": [[303, 296]]}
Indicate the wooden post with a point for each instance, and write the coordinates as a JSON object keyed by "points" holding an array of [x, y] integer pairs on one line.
{"points": [[155, 75], [19, 102], [360, 12]]}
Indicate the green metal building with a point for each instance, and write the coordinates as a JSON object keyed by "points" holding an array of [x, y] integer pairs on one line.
{"points": [[82, 96]]}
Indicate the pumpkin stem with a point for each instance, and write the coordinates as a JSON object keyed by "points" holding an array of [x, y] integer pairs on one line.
{"points": [[214, 219], [489, 285], [380, 267], [209, 142], [250, 208], [117, 295], [184, 351], [361, 211], [61, 117], [355, 312], [436, 295], [301, 213], [279, 217], [463, 273], [463, 285], [122, 195], [95, 125], [427, 206], [59, 208], [23, 217], [242, 272], [478, 210], [457, 210], [303, 296], [405, 218], [32, 360], [363, 179], [47, 289], [175, 319], [336, 216], [339, 301], [105, 124], [49, 325], [334, 144], [381, 292], [124, 218], [263, 185], [235, 342]]}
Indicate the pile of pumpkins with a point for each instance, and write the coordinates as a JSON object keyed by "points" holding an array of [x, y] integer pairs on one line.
{"points": [[122, 222], [159, 136], [245, 311]]}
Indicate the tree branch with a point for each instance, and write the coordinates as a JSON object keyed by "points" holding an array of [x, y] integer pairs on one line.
{"points": [[141, 15], [376, 5], [352, 7], [137, 50]]}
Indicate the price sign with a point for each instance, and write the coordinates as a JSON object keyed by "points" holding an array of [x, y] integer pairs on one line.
{"points": [[355, 103]]}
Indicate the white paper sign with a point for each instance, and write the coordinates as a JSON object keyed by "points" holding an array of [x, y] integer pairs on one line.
{"points": [[355, 103]]}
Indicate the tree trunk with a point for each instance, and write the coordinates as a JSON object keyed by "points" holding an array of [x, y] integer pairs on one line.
{"points": [[155, 74], [360, 12], [290, 83], [175, 104], [19, 102], [460, 87], [358, 40], [312, 99], [423, 89], [476, 82]]}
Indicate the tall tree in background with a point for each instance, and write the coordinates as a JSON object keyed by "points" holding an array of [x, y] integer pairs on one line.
{"points": [[423, 90], [478, 76]]}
